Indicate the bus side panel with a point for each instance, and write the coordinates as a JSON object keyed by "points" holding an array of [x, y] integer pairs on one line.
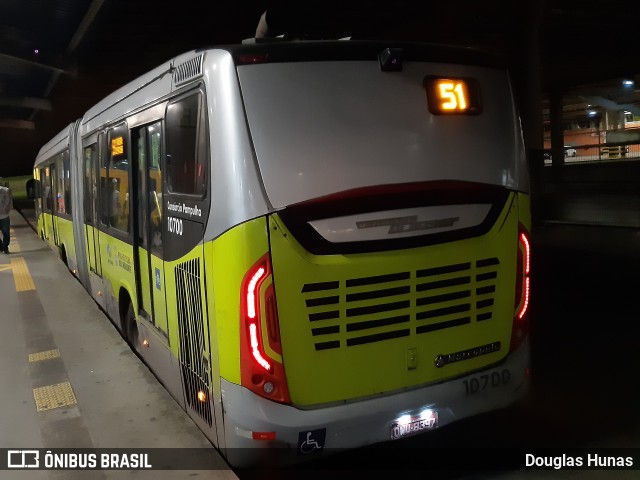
{"points": [[233, 254], [189, 332], [96, 282], [66, 241], [214, 343], [228, 258], [117, 272], [41, 224], [48, 220]]}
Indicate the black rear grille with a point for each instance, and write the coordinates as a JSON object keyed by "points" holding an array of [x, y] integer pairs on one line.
{"points": [[193, 339], [357, 311]]}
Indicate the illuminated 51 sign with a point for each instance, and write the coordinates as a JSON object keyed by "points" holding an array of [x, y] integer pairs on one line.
{"points": [[448, 95]]}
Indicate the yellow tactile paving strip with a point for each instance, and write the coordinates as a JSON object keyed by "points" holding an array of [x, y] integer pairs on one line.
{"points": [[48, 355], [54, 396], [21, 275], [51, 396]]}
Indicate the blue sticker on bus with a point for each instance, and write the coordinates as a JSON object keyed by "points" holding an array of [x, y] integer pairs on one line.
{"points": [[158, 278]]}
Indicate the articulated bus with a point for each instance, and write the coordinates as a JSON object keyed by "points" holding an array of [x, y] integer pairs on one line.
{"points": [[313, 245]]}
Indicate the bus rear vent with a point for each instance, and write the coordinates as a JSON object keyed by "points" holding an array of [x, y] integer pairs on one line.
{"points": [[400, 304], [193, 338], [188, 70]]}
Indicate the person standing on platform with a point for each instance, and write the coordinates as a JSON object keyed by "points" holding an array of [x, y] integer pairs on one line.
{"points": [[6, 204]]}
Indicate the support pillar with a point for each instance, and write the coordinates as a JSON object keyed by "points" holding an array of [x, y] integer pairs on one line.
{"points": [[525, 67]]}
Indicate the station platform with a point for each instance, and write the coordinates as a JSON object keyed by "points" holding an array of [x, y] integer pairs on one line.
{"points": [[68, 380]]}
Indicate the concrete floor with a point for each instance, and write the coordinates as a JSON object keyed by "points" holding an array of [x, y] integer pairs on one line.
{"points": [[101, 395]]}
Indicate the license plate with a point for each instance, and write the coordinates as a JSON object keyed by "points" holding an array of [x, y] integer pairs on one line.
{"points": [[411, 425]]}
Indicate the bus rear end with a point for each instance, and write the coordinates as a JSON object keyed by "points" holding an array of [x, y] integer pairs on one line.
{"points": [[391, 296]]}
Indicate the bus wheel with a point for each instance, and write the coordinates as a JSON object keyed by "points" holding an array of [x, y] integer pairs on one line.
{"points": [[131, 328]]}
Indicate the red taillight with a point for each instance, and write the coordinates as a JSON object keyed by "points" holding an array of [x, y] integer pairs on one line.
{"points": [[523, 288], [252, 58], [260, 372], [526, 258], [252, 308]]}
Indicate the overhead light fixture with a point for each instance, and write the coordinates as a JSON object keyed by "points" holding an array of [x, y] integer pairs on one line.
{"points": [[627, 83], [592, 113]]}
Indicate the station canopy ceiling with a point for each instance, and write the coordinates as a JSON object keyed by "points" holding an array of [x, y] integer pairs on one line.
{"points": [[58, 57]]}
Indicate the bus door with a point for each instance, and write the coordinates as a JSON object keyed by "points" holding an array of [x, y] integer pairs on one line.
{"points": [[47, 202], [149, 257], [92, 182], [56, 196]]}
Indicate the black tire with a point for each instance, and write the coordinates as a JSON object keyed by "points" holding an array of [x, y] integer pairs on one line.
{"points": [[63, 256], [131, 328]]}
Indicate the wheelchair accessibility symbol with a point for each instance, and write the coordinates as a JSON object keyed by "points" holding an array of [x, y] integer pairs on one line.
{"points": [[311, 441]]}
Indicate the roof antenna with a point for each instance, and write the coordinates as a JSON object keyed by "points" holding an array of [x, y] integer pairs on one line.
{"points": [[262, 30]]}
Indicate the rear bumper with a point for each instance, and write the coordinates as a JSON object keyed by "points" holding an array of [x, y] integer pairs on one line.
{"points": [[368, 421]]}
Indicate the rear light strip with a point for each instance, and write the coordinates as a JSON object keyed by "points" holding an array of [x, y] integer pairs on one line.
{"points": [[520, 327], [526, 283], [252, 313], [261, 373]]}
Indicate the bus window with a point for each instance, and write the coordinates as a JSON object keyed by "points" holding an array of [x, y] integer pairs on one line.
{"points": [[90, 186], [46, 189], [67, 182], [118, 175], [38, 187], [58, 185], [155, 188], [114, 194], [104, 183], [147, 142], [186, 148], [139, 140]]}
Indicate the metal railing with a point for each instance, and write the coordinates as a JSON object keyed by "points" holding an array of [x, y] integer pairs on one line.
{"points": [[602, 152]]}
